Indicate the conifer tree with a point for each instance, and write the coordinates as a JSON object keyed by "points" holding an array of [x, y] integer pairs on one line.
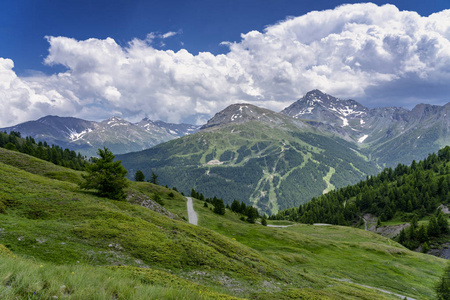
{"points": [[139, 176], [154, 178], [442, 222], [264, 221], [433, 227], [252, 214], [235, 206], [219, 207], [106, 176], [422, 235]]}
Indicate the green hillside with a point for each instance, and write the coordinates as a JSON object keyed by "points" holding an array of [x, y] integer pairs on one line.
{"points": [[268, 160], [406, 194], [62, 241]]}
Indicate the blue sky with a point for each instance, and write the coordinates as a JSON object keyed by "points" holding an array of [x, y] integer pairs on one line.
{"points": [[49, 49], [204, 24]]}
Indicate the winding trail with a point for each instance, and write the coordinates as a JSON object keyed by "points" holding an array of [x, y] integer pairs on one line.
{"points": [[378, 289], [192, 215]]}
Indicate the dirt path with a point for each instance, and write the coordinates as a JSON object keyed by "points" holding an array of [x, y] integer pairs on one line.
{"points": [[378, 289], [279, 226], [192, 215]]}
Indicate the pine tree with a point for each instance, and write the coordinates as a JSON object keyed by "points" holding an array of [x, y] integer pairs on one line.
{"points": [[252, 214], [106, 176], [154, 178], [433, 227], [264, 221], [235, 206], [442, 222], [422, 235], [219, 207], [402, 237], [139, 176]]}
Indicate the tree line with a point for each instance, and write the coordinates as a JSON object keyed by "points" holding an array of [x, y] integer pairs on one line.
{"points": [[404, 191], [415, 235], [55, 154]]}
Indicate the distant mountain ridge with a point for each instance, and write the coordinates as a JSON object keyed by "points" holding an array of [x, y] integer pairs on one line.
{"points": [[255, 155], [119, 135], [393, 134], [267, 159], [277, 160]]}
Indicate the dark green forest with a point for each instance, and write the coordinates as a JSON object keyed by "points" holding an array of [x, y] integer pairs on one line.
{"points": [[55, 154], [408, 193], [417, 189]]}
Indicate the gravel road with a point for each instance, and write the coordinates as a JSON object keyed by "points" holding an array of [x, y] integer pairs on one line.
{"points": [[191, 212]]}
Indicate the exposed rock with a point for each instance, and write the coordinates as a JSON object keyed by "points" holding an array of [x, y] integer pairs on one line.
{"points": [[146, 202], [443, 251], [391, 231], [444, 209]]}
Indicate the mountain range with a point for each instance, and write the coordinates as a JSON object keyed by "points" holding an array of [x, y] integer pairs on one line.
{"points": [[279, 160], [391, 135], [115, 133], [255, 155], [267, 159]]}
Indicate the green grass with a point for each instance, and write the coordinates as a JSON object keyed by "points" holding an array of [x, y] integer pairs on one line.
{"points": [[325, 253], [48, 221], [28, 279]]}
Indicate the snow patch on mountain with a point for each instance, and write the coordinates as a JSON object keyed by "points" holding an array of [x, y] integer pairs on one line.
{"points": [[118, 124], [75, 136], [363, 138]]}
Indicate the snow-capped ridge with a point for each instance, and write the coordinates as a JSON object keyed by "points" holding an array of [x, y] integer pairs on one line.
{"points": [[75, 136]]}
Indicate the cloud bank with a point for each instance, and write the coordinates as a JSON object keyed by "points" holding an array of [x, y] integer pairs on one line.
{"points": [[377, 55]]}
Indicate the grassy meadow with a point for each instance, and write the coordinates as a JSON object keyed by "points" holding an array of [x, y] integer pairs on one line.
{"points": [[59, 241]]}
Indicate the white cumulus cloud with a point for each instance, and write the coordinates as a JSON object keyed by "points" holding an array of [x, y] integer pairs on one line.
{"points": [[377, 55]]}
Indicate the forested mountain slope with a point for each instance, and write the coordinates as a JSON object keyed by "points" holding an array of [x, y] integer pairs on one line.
{"points": [[416, 189], [254, 155], [279, 160]]}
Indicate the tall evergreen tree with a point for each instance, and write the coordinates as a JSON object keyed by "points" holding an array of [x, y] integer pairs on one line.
{"points": [[252, 214], [219, 207], [106, 176], [433, 227], [154, 178], [139, 176], [442, 222], [235, 206]]}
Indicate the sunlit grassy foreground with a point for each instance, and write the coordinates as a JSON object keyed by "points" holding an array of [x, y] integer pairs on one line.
{"points": [[62, 242]]}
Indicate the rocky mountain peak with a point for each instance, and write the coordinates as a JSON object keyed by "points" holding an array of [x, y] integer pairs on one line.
{"points": [[176, 130], [316, 105], [238, 113], [115, 121]]}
